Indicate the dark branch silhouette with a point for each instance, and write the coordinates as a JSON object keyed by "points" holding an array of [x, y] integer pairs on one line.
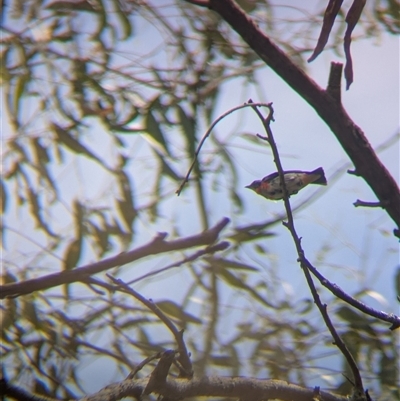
{"points": [[156, 246]]}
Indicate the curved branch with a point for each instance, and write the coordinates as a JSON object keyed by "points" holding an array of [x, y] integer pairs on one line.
{"points": [[184, 357], [338, 292], [154, 247], [207, 134]]}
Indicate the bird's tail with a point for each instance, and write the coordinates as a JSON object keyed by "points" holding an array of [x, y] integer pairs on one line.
{"points": [[321, 180]]}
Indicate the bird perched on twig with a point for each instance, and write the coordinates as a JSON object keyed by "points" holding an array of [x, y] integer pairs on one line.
{"points": [[270, 186]]}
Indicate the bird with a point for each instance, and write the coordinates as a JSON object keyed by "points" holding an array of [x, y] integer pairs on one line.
{"points": [[270, 186]]}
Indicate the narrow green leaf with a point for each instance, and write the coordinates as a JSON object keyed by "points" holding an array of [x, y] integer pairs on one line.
{"points": [[125, 23], [36, 211], [71, 143], [222, 360], [188, 128], [78, 213], [72, 254], [175, 311], [252, 138], [155, 135], [41, 155], [236, 199], [166, 168], [29, 311], [131, 117], [236, 282], [389, 369], [5, 75], [356, 320], [231, 264], [3, 196], [101, 238], [20, 87], [127, 211], [125, 203]]}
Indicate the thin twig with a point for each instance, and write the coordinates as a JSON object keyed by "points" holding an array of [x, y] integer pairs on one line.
{"points": [[143, 364], [200, 3], [183, 357], [207, 134], [359, 202], [302, 259], [159, 375], [338, 292], [210, 249]]}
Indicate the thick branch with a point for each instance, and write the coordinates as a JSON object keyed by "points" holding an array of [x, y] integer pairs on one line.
{"points": [[154, 247], [350, 136], [214, 386], [207, 386], [242, 388]]}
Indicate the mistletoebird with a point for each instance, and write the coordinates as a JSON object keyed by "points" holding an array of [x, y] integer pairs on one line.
{"points": [[270, 186]]}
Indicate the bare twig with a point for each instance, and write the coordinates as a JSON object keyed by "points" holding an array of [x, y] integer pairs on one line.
{"points": [[337, 291], [183, 357], [353, 172], [156, 246], [334, 82], [207, 134], [359, 202], [159, 375], [200, 3], [304, 262], [270, 139], [209, 250], [143, 364]]}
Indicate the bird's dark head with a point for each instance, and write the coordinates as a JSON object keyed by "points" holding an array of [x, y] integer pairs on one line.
{"points": [[254, 185]]}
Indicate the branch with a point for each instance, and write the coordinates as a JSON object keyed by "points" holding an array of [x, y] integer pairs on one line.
{"points": [[207, 134], [200, 3], [358, 386], [359, 202], [17, 393], [158, 377], [241, 388], [183, 358], [156, 246], [143, 364], [209, 250], [338, 292], [207, 386], [350, 136], [334, 81]]}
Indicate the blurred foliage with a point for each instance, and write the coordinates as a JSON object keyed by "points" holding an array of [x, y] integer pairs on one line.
{"points": [[106, 101]]}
